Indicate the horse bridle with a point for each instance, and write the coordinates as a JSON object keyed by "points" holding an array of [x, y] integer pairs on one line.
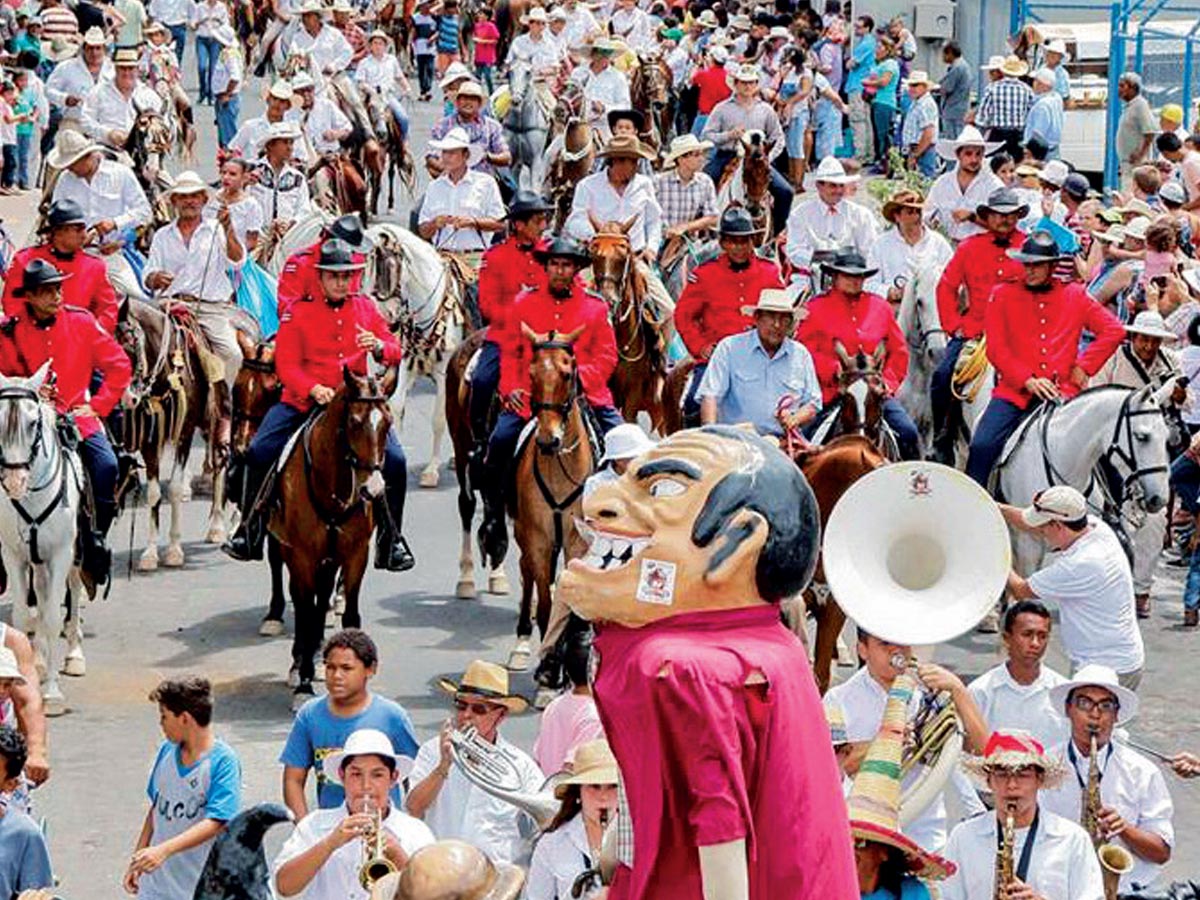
{"points": [[17, 394], [624, 309], [563, 408], [920, 341], [59, 473]]}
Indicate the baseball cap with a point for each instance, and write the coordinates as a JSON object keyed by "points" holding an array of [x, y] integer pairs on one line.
{"points": [[1076, 186], [1061, 503]]}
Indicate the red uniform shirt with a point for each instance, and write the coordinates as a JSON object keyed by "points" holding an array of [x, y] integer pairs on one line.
{"points": [[979, 265], [76, 346], [505, 270], [1037, 335], [705, 760], [87, 288], [859, 325], [299, 276], [713, 83], [595, 348], [710, 307], [316, 339]]}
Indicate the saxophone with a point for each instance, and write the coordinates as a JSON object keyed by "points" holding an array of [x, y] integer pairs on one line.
{"points": [[1115, 860], [1005, 874]]}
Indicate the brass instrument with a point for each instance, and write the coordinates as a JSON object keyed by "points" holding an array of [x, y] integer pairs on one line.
{"points": [[1115, 860], [490, 769], [931, 749], [375, 865], [1005, 873]]}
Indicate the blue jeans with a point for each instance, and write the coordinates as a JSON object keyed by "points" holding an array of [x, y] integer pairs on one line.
{"points": [[399, 115], [698, 126], [902, 426], [485, 73], [207, 49], [691, 403], [996, 425], [484, 381], [881, 118], [927, 162], [781, 192], [1185, 479], [179, 35], [24, 151], [98, 458], [503, 442], [425, 72], [940, 396], [227, 119]]}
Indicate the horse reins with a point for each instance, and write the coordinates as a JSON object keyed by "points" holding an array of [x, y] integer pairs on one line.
{"points": [[59, 473], [626, 310]]}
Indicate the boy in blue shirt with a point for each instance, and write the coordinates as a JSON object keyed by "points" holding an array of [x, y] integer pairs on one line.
{"points": [[195, 789], [24, 859], [324, 723]]}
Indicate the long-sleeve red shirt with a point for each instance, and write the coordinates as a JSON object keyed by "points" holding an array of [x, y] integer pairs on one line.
{"points": [[859, 325], [979, 264], [299, 277], [87, 288], [710, 307], [505, 270]]}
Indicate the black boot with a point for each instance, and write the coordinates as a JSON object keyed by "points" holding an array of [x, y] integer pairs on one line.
{"points": [[391, 549], [246, 542]]}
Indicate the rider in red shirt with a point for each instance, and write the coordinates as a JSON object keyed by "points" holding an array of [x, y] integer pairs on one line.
{"points": [[1033, 329], [299, 277]]}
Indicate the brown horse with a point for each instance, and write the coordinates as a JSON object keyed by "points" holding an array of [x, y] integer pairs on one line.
{"points": [[397, 160], [550, 472], [323, 517], [860, 398], [641, 359], [338, 185], [577, 156], [650, 91], [830, 470], [746, 182]]}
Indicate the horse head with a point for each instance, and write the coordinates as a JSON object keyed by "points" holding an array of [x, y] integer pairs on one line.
{"points": [[148, 144], [1140, 447], [520, 77], [918, 316], [24, 429], [296, 63], [861, 389], [555, 384], [612, 256], [366, 419], [650, 64], [255, 390]]}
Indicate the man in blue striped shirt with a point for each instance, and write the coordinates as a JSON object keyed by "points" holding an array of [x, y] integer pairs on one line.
{"points": [[1045, 120]]}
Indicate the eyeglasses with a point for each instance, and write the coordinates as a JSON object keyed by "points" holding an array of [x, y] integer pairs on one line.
{"points": [[1087, 704], [479, 709], [1008, 774]]}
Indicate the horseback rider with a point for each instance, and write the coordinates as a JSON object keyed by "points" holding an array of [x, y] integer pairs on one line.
{"points": [[711, 306], [485, 134], [76, 347], [507, 269], [381, 72], [253, 133], [827, 223], [73, 79], [327, 329], [299, 276], [907, 249], [1033, 327], [979, 264], [327, 49], [461, 205], [325, 125], [111, 107], [281, 189], [859, 321], [604, 87], [558, 307], [86, 286]]}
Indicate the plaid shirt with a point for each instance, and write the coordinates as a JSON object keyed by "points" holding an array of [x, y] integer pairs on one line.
{"points": [[682, 203], [920, 116], [1005, 104], [484, 131]]}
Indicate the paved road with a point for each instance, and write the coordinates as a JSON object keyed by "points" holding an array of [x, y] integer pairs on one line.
{"points": [[203, 619]]}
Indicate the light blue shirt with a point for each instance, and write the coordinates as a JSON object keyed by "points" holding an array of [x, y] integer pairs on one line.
{"points": [[1062, 82], [864, 60], [1045, 120], [747, 383], [920, 116]]}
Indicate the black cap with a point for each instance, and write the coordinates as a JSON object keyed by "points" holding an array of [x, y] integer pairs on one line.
{"points": [[736, 222], [349, 228], [1004, 201], [848, 261], [1039, 247], [337, 256], [563, 246], [526, 204], [1076, 186], [65, 212], [39, 273], [633, 115]]}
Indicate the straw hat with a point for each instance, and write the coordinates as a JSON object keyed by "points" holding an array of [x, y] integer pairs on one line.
{"points": [[625, 146], [874, 801], [835, 718], [1136, 228], [456, 71], [59, 49], [746, 73], [1014, 749], [906, 198], [302, 81], [1095, 675], [1014, 67], [1151, 324], [970, 136], [774, 300], [69, 147], [1046, 76], [993, 64], [537, 14], [126, 56], [830, 170], [1114, 235], [313, 6], [379, 34], [778, 32], [451, 870], [594, 763], [94, 37], [365, 742], [626, 441], [281, 90], [685, 143], [472, 88], [708, 19], [487, 680], [188, 183], [286, 130], [918, 77], [1137, 207]]}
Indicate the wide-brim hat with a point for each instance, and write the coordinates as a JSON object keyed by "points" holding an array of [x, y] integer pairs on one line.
{"points": [[1014, 67], [740, 22], [1151, 324], [906, 198], [486, 680], [365, 742], [472, 88], [774, 300], [594, 763], [634, 115], [563, 246], [1095, 675], [993, 64], [848, 262], [1059, 46], [126, 56], [1039, 247], [94, 37], [315, 7], [970, 136], [62, 212], [303, 81], [830, 169], [606, 45], [528, 203], [70, 146], [1004, 201], [919, 77], [454, 72], [154, 28], [626, 441], [1014, 749], [188, 182], [451, 868], [349, 228], [282, 90], [39, 273], [1136, 206], [338, 256], [1137, 228], [537, 14], [682, 145], [746, 73], [779, 32], [736, 221], [379, 34], [9, 669], [287, 130], [1115, 235], [60, 49], [625, 146], [708, 19]]}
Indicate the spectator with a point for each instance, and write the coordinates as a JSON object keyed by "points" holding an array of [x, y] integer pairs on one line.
{"points": [[1137, 126], [1045, 120], [919, 136], [58, 22], [424, 28], [205, 17], [955, 89], [26, 114], [1187, 163], [884, 80], [174, 15], [862, 57], [133, 22], [1056, 55], [8, 136], [1170, 120], [712, 85], [1005, 105], [28, 36], [449, 40], [571, 718], [24, 859], [228, 76], [487, 38]]}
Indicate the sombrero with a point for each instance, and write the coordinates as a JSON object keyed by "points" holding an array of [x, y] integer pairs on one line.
{"points": [[487, 680], [593, 763], [1013, 749], [906, 198]]}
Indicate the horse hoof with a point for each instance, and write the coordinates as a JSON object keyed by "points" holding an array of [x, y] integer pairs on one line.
{"points": [[465, 590], [148, 563], [54, 706], [331, 619], [498, 584], [270, 628], [430, 477], [173, 558], [518, 658], [216, 535], [75, 666]]}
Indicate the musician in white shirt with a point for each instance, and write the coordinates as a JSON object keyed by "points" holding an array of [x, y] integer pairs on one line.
{"points": [[325, 126], [1052, 857], [73, 79], [112, 107], [604, 87], [957, 193], [462, 207], [905, 250], [828, 221], [1135, 807]]}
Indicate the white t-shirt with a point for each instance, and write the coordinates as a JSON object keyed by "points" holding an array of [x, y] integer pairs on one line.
{"points": [[1006, 704], [1093, 586]]}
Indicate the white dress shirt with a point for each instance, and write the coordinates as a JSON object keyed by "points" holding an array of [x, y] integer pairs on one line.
{"points": [[338, 878], [170, 12], [609, 88], [72, 79], [283, 195], [465, 812], [559, 858], [383, 73], [228, 69], [1026, 707], [633, 27], [945, 197], [246, 215], [1062, 864], [107, 109], [200, 266], [112, 193], [595, 194], [253, 133], [813, 225], [543, 54], [207, 17], [580, 23], [329, 51], [324, 116], [1130, 784], [475, 195], [896, 258]]}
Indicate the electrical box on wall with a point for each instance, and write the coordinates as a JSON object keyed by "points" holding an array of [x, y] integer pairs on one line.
{"points": [[933, 19]]}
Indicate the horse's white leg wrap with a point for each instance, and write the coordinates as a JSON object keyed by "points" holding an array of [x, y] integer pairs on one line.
{"points": [[498, 581], [465, 589], [173, 556], [216, 513], [50, 584], [149, 558], [75, 665], [429, 478]]}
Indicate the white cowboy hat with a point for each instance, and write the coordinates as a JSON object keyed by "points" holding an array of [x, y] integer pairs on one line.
{"points": [[918, 77], [224, 35], [342, 6], [1045, 75], [281, 90], [59, 49], [1095, 675], [1059, 46], [708, 19], [472, 88], [1138, 207], [970, 136], [993, 64], [558, 14], [1137, 228], [1151, 324], [775, 300], [537, 14], [8, 664], [831, 170], [685, 143], [778, 31], [1014, 67], [454, 72], [1114, 235], [313, 6], [719, 54], [458, 139], [69, 147], [1172, 192], [365, 742], [747, 73], [1055, 172], [94, 37], [302, 81], [286, 130], [188, 183], [626, 442], [126, 56]]}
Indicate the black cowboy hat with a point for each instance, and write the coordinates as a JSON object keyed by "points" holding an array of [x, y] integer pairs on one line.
{"points": [[1039, 247], [563, 246], [337, 256], [736, 222], [526, 204], [1004, 201], [848, 261], [64, 212], [39, 273], [349, 228], [633, 115]]}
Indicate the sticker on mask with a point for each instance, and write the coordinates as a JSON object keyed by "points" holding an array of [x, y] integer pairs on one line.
{"points": [[657, 582]]}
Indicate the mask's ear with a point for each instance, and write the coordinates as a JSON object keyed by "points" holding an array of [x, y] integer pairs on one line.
{"points": [[737, 547]]}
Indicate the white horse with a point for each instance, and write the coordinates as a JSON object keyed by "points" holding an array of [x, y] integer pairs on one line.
{"points": [[527, 128], [417, 293], [1105, 438], [38, 514], [304, 232]]}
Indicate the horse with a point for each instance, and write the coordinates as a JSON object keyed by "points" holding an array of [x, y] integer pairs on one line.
{"points": [[650, 90], [830, 470], [177, 112], [323, 517], [338, 185], [148, 144], [399, 161], [1108, 442], [746, 182], [638, 379], [422, 299], [572, 152], [858, 406], [458, 388], [526, 128], [42, 492], [273, 250], [550, 473]]}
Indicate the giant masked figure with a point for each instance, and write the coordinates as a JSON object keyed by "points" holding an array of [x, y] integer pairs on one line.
{"points": [[729, 779]]}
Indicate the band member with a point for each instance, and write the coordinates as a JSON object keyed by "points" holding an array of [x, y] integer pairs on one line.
{"points": [[978, 265], [450, 803], [847, 320], [73, 346], [1015, 695], [1033, 330], [1048, 856], [1134, 808], [324, 855]]}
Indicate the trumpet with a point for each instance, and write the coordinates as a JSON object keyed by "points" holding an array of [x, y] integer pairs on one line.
{"points": [[375, 865]]}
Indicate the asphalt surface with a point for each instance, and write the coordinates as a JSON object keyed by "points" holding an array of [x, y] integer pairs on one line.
{"points": [[203, 618]]}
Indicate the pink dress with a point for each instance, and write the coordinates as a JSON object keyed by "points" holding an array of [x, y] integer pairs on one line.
{"points": [[569, 720]]}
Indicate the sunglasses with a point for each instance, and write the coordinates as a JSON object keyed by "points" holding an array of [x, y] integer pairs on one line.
{"points": [[1087, 704], [479, 709]]}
